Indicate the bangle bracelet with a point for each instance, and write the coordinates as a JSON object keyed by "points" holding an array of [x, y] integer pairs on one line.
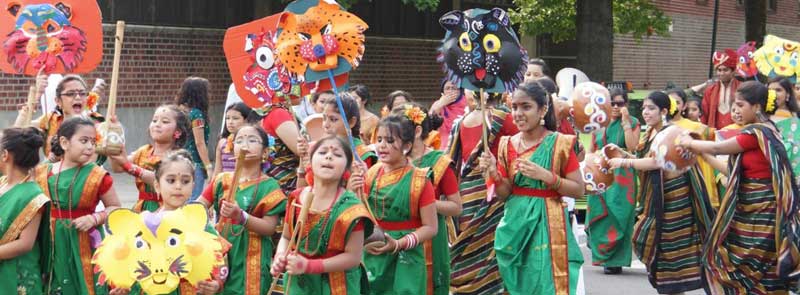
{"points": [[314, 266]]}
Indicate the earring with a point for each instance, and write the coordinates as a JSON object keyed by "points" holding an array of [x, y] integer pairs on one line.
{"points": [[176, 135], [541, 122]]}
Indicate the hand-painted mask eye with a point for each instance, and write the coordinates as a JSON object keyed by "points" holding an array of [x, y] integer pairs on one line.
{"points": [[464, 42], [491, 43]]}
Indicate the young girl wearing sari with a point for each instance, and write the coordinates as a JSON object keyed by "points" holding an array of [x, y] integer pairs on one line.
{"points": [[536, 251], [787, 121], [673, 213], [334, 125], [75, 185], [236, 116], [753, 244], [445, 186], [174, 181], [168, 130], [72, 99], [330, 245], [248, 221], [610, 214], [474, 268], [705, 133], [24, 233], [403, 203]]}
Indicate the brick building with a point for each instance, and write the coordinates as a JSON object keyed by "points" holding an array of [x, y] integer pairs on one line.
{"points": [[684, 56]]}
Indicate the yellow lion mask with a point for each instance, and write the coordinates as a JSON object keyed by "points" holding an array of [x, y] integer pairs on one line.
{"points": [[158, 250]]}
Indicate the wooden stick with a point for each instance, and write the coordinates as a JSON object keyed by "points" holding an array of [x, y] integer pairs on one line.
{"points": [[307, 199], [112, 93], [230, 195], [484, 126]]}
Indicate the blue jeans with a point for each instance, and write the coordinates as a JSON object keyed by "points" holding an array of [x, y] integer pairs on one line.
{"points": [[199, 181]]}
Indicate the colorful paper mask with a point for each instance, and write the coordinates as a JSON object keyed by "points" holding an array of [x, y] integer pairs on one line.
{"points": [[61, 36], [777, 57], [317, 37], [591, 107], [158, 250], [258, 75], [746, 66], [481, 50]]}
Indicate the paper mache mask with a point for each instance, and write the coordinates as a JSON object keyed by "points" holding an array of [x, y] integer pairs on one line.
{"points": [[481, 51], [158, 250], [778, 57], [59, 36], [746, 66]]}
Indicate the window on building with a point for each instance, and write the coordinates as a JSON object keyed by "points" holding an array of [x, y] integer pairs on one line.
{"points": [[772, 5]]}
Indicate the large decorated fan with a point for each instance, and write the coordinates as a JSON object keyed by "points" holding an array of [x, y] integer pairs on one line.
{"points": [[158, 250], [319, 43], [778, 57], [61, 36], [481, 51], [258, 75]]}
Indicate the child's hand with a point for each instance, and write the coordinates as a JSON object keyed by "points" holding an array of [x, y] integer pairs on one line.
{"points": [[208, 287]]}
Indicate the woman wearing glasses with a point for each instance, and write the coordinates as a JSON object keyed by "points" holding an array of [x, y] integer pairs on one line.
{"points": [[610, 214], [71, 101]]}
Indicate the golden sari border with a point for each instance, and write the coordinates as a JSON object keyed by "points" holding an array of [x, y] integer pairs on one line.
{"points": [[427, 248], [41, 176], [556, 221], [24, 218], [343, 225], [89, 197], [337, 281], [268, 202], [418, 179], [252, 277], [85, 248], [439, 168]]}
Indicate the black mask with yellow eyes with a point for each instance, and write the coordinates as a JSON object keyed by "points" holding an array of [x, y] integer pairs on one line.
{"points": [[481, 51]]}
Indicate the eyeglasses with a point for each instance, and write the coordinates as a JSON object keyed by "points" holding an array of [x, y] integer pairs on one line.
{"points": [[74, 94], [617, 103], [248, 141]]}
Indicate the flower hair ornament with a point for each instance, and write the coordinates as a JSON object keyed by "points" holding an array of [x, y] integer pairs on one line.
{"points": [[673, 106], [772, 96], [415, 114]]}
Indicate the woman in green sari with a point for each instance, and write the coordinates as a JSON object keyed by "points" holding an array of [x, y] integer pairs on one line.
{"points": [[403, 202], [787, 121], [326, 257], [445, 184], [536, 250], [610, 215], [673, 211], [75, 185], [335, 125], [23, 232], [753, 244], [249, 221]]}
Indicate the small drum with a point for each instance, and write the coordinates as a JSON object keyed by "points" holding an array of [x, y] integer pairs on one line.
{"points": [[668, 154], [313, 126], [597, 175], [591, 107], [376, 239]]}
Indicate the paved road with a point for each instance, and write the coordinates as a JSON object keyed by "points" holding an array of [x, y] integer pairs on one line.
{"points": [[632, 280]]}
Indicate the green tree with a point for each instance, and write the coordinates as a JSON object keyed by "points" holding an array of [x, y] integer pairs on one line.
{"points": [[592, 23]]}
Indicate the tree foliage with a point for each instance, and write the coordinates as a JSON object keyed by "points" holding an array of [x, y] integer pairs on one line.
{"points": [[557, 18], [421, 5]]}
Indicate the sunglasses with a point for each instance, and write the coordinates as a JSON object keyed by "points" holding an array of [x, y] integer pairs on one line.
{"points": [[617, 103]]}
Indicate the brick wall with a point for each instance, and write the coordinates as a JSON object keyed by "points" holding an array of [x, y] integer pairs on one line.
{"points": [[154, 62], [684, 56]]}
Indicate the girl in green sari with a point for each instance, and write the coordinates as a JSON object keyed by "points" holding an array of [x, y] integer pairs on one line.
{"points": [[610, 215], [445, 184], [787, 121], [334, 125], [23, 233], [249, 220], [174, 180], [330, 245], [753, 244], [536, 250], [75, 185], [168, 130], [403, 202]]}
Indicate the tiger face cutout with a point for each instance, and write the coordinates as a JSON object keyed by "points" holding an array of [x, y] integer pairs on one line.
{"points": [[323, 38], [481, 50]]}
